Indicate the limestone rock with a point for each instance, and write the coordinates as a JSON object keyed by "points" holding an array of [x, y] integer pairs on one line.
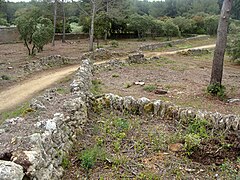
{"points": [[10, 171]]}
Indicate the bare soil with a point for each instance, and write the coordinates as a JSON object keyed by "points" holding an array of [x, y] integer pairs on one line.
{"points": [[184, 77]]}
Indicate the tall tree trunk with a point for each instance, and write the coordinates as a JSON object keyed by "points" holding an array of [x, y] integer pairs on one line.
{"points": [[64, 22], [92, 25], [106, 32], [217, 66], [26, 44], [54, 22]]}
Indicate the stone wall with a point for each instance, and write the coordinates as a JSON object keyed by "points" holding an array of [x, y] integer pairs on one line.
{"points": [[167, 110], [150, 47], [50, 61], [9, 35], [33, 148]]}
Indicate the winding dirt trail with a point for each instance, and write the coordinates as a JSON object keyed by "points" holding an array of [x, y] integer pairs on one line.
{"points": [[25, 90]]}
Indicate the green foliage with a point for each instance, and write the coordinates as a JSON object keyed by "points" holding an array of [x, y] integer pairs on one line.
{"points": [[171, 29], [233, 46], [73, 19], [5, 77], [3, 22], [186, 26], [211, 24], [196, 131], [96, 87], [19, 111], [43, 33], [65, 162], [217, 89], [138, 24], [197, 126], [115, 75], [59, 27], [121, 124], [192, 141], [90, 156], [150, 88], [34, 30], [114, 43]]}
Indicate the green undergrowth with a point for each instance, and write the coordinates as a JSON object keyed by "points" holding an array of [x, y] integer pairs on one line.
{"points": [[117, 145], [17, 112]]}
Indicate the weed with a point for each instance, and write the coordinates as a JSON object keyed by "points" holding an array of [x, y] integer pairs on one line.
{"points": [[20, 111], [90, 156], [62, 90], [128, 85], [217, 89], [192, 141], [121, 124], [114, 43], [5, 77], [150, 88], [115, 75], [197, 126], [65, 162], [96, 86]]}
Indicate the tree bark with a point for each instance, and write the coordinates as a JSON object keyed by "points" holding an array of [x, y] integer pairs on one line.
{"points": [[64, 23], [54, 22], [218, 59], [92, 25]]}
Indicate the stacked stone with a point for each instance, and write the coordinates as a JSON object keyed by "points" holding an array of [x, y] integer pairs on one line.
{"points": [[150, 47], [39, 154], [167, 110]]}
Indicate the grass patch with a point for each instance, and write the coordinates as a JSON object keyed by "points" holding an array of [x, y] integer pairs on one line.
{"points": [[115, 75], [20, 111], [96, 87], [5, 77], [149, 88]]}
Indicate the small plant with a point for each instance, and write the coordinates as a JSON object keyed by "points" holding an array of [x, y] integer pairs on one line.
{"points": [[115, 75], [90, 156], [150, 88], [65, 162], [96, 86], [192, 141], [128, 85], [114, 43], [5, 77], [217, 89], [199, 127], [121, 124]]}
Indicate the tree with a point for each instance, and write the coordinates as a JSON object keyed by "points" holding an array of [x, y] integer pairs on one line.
{"points": [[54, 22], [43, 33], [138, 24], [35, 31], [185, 25], [63, 22], [211, 24], [171, 29], [217, 66], [102, 25]]}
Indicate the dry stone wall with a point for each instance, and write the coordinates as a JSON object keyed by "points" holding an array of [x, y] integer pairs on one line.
{"points": [[49, 61], [34, 148], [150, 47], [158, 108]]}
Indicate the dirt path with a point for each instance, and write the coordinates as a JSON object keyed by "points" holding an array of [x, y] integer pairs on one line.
{"points": [[25, 90], [150, 54]]}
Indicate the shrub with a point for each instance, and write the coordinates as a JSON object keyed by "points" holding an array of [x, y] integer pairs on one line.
{"points": [[114, 43], [150, 88], [217, 89], [192, 141]]}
